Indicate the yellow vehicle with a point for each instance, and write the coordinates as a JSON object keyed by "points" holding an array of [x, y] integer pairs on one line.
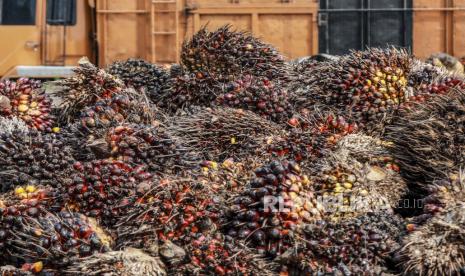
{"points": [[44, 38]]}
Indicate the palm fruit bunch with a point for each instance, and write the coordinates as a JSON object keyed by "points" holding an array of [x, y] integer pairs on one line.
{"points": [[309, 138], [357, 246], [10, 125], [140, 74], [125, 107], [269, 213], [24, 99], [186, 91], [179, 209], [102, 189], [438, 246], [358, 176], [32, 157], [130, 261], [53, 239], [222, 133], [88, 85], [227, 177], [219, 255], [259, 95], [426, 80], [428, 139], [364, 86], [225, 54], [150, 146]]}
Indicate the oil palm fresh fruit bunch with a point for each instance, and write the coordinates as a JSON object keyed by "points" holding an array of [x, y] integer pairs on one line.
{"points": [[33, 157], [140, 74], [102, 189], [364, 86], [223, 133], [437, 247], [270, 211], [259, 95], [149, 146], [179, 209], [187, 90], [10, 125], [428, 139], [219, 255], [129, 261], [88, 85], [228, 177], [357, 246], [53, 239], [426, 81], [126, 107], [308, 138], [24, 99], [225, 54]]}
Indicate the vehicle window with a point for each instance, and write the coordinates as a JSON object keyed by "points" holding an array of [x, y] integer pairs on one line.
{"points": [[17, 12], [61, 12]]}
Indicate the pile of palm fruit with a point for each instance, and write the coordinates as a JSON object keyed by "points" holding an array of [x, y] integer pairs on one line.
{"points": [[236, 162]]}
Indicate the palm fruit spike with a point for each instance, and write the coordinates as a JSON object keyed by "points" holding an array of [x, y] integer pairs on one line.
{"points": [[10, 125], [259, 95], [222, 133], [178, 208], [271, 210], [426, 80], [140, 74], [226, 54], [53, 239], [128, 262], [186, 90], [218, 255], [227, 177], [127, 107], [150, 146], [29, 200], [437, 247], [101, 189], [33, 157], [309, 138], [358, 246], [428, 139], [364, 86], [25, 100], [83, 89]]}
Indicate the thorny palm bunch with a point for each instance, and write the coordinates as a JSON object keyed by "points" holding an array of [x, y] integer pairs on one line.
{"points": [[358, 246], [54, 239], [10, 125], [259, 95], [428, 140], [225, 54], [358, 180], [223, 133], [437, 247], [140, 74], [186, 91], [102, 189], [32, 157], [88, 85], [272, 208], [179, 209], [364, 86], [25, 100], [149, 146], [219, 255], [114, 263], [426, 81], [128, 106]]}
